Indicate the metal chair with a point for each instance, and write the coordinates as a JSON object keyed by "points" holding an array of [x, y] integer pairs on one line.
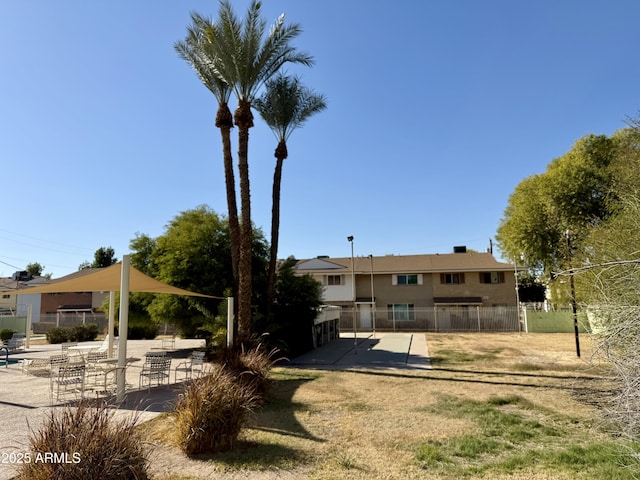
{"points": [[69, 379], [65, 347], [169, 343], [155, 369], [195, 363], [38, 367]]}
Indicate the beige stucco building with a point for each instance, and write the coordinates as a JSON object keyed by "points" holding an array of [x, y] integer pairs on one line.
{"points": [[404, 284]]}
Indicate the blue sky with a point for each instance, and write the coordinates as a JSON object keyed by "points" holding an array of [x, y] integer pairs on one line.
{"points": [[436, 111]]}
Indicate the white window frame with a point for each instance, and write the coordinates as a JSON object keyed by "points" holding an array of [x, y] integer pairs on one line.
{"points": [[334, 277], [419, 279]]}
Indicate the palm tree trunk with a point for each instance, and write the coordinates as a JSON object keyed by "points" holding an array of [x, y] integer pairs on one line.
{"points": [[280, 154], [224, 121], [243, 118]]}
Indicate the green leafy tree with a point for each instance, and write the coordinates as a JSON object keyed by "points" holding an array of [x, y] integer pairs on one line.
{"points": [[103, 257], [245, 56], [35, 269], [285, 106], [143, 256], [530, 289], [296, 303], [194, 253], [550, 215], [608, 279]]}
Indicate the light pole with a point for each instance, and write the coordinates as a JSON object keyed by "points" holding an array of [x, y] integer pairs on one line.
{"points": [[353, 294], [373, 301]]}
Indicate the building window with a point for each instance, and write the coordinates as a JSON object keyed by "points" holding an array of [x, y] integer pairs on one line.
{"points": [[401, 312], [491, 277], [407, 279], [452, 278], [334, 279], [6, 296]]}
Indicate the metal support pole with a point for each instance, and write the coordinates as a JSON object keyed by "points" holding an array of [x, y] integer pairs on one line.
{"points": [[373, 298], [112, 323], [229, 322], [123, 329], [28, 326], [353, 294], [574, 309]]}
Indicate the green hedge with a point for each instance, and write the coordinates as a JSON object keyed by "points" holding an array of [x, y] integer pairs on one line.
{"points": [[77, 333], [6, 334], [555, 322]]}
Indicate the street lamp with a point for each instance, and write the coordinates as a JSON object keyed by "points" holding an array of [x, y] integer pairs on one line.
{"points": [[373, 301], [353, 293]]}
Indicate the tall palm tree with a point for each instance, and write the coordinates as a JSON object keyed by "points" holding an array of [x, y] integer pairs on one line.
{"points": [[245, 59], [285, 106], [198, 52]]}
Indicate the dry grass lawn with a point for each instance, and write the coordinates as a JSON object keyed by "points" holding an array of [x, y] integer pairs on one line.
{"points": [[495, 406]]}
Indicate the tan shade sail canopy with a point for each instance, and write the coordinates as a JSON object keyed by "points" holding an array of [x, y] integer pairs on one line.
{"points": [[108, 280]]}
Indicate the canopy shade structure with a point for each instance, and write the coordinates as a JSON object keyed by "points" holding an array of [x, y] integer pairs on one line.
{"points": [[108, 279]]}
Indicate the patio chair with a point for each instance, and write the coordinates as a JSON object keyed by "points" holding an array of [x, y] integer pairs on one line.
{"points": [[16, 342], [57, 361], [94, 367], [69, 380], [38, 367], [65, 347], [169, 343], [155, 354], [156, 369], [103, 379], [195, 364]]}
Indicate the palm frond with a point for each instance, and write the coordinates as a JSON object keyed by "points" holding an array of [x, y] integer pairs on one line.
{"points": [[247, 56], [197, 51], [286, 104]]}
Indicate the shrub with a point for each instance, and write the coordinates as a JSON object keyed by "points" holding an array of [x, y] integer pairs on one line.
{"points": [[58, 335], [77, 333], [83, 333], [251, 367], [211, 413], [6, 334], [88, 443], [142, 330]]}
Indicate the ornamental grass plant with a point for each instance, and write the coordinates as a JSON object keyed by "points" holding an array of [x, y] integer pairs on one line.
{"points": [[85, 442], [211, 412]]}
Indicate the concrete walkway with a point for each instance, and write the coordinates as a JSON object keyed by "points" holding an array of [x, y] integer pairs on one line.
{"points": [[368, 350]]}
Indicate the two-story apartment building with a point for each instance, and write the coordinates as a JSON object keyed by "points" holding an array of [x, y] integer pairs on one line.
{"points": [[401, 285]]}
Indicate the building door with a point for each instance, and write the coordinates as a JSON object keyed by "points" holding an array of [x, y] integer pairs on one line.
{"points": [[364, 311]]}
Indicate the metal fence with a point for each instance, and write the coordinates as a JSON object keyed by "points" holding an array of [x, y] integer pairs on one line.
{"points": [[49, 321], [435, 319]]}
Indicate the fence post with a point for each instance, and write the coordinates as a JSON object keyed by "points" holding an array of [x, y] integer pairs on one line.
{"points": [[478, 314], [28, 325], [524, 315], [435, 318]]}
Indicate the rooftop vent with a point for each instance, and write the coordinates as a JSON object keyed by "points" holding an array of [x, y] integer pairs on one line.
{"points": [[460, 249]]}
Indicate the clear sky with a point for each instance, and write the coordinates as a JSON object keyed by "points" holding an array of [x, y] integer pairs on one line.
{"points": [[436, 111]]}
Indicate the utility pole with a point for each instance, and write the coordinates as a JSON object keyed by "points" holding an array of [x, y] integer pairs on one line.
{"points": [[572, 286]]}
